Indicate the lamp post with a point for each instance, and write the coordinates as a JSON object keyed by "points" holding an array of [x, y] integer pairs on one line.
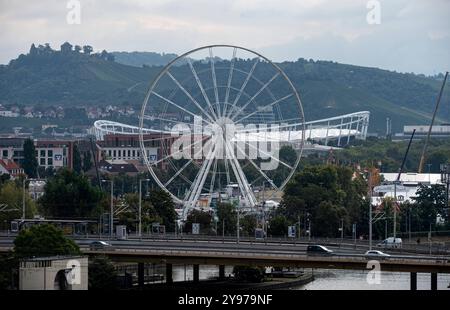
{"points": [[111, 215], [23, 198], [140, 205]]}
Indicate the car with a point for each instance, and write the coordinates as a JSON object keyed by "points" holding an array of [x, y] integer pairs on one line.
{"points": [[318, 250], [100, 245], [391, 242], [375, 253]]}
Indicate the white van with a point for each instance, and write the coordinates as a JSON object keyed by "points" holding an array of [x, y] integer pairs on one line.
{"points": [[391, 242]]}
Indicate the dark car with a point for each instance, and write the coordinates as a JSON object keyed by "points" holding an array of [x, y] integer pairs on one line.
{"points": [[318, 250], [100, 245]]}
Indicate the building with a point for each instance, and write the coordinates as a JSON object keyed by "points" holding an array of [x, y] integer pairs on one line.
{"points": [[127, 147], [117, 166], [438, 131], [54, 273], [406, 190], [54, 153], [8, 166], [12, 148]]}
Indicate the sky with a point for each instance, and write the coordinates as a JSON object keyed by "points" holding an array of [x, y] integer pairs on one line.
{"points": [[400, 35]]}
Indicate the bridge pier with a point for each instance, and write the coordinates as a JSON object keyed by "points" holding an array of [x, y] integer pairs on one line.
{"points": [[140, 274], [169, 278], [433, 281], [196, 273], [221, 272], [413, 281]]}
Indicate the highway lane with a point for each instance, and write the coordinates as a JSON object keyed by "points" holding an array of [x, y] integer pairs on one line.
{"points": [[223, 246]]}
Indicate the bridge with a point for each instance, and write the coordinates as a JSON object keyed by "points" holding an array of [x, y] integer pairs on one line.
{"points": [[255, 253]]}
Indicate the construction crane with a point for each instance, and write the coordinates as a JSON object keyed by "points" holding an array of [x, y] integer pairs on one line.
{"points": [[397, 181], [425, 146]]}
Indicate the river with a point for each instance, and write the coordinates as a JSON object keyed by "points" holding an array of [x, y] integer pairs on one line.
{"points": [[334, 279]]}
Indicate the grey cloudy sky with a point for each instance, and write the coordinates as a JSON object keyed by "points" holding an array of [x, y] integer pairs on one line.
{"points": [[413, 36]]}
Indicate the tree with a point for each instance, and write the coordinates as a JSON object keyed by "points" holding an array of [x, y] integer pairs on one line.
{"points": [[69, 194], [325, 193], [43, 240], [87, 162], [77, 49], [76, 159], [248, 224], [30, 163], [430, 202], [227, 216], [102, 274], [278, 226], [196, 216], [165, 207], [327, 219], [87, 49], [11, 194]]}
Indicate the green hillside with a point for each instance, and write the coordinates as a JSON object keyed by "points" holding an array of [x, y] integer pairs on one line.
{"points": [[326, 88]]}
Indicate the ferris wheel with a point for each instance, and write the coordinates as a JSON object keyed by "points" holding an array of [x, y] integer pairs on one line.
{"points": [[226, 117]]}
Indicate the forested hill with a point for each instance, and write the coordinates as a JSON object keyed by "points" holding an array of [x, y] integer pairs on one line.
{"points": [[45, 76]]}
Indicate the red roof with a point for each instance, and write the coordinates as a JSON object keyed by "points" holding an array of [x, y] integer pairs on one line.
{"points": [[9, 164]]}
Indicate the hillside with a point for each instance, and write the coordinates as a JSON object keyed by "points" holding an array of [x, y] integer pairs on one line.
{"points": [[139, 59], [326, 88]]}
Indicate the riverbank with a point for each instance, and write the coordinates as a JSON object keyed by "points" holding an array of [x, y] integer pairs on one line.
{"points": [[268, 284]]}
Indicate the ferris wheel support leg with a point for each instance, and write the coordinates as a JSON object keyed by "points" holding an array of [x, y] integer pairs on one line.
{"points": [[240, 176]]}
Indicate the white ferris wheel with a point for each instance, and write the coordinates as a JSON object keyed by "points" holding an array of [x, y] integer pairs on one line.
{"points": [[224, 116]]}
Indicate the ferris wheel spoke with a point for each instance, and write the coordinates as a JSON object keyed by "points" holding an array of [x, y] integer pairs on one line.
{"points": [[190, 97], [255, 95], [230, 77], [241, 90], [180, 107], [179, 151], [199, 83], [264, 107], [178, 172], [200, 179], [213, 72], [258, 169], [268, 154]]}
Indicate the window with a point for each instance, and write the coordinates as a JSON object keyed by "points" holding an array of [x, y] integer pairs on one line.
{"points": [[50, 161], [5, 153], [134, 153], [129, 153], [109, 153], [114, 153], [50, 153], [42, 153], [120, 153], [42, 161]]}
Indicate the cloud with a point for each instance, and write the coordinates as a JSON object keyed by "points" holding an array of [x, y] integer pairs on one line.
{"points": [[414, 35]]}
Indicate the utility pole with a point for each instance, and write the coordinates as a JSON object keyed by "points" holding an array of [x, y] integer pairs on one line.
{"points": [[23, 198], [237, 235], [140, 206], [111, 215]]}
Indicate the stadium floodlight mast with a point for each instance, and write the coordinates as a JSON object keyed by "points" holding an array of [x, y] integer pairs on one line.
{"points": [[220, 86]]}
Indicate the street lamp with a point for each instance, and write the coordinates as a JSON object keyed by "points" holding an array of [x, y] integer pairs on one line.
{"points": [[111, 216], [140, 205], [23, 198]]}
